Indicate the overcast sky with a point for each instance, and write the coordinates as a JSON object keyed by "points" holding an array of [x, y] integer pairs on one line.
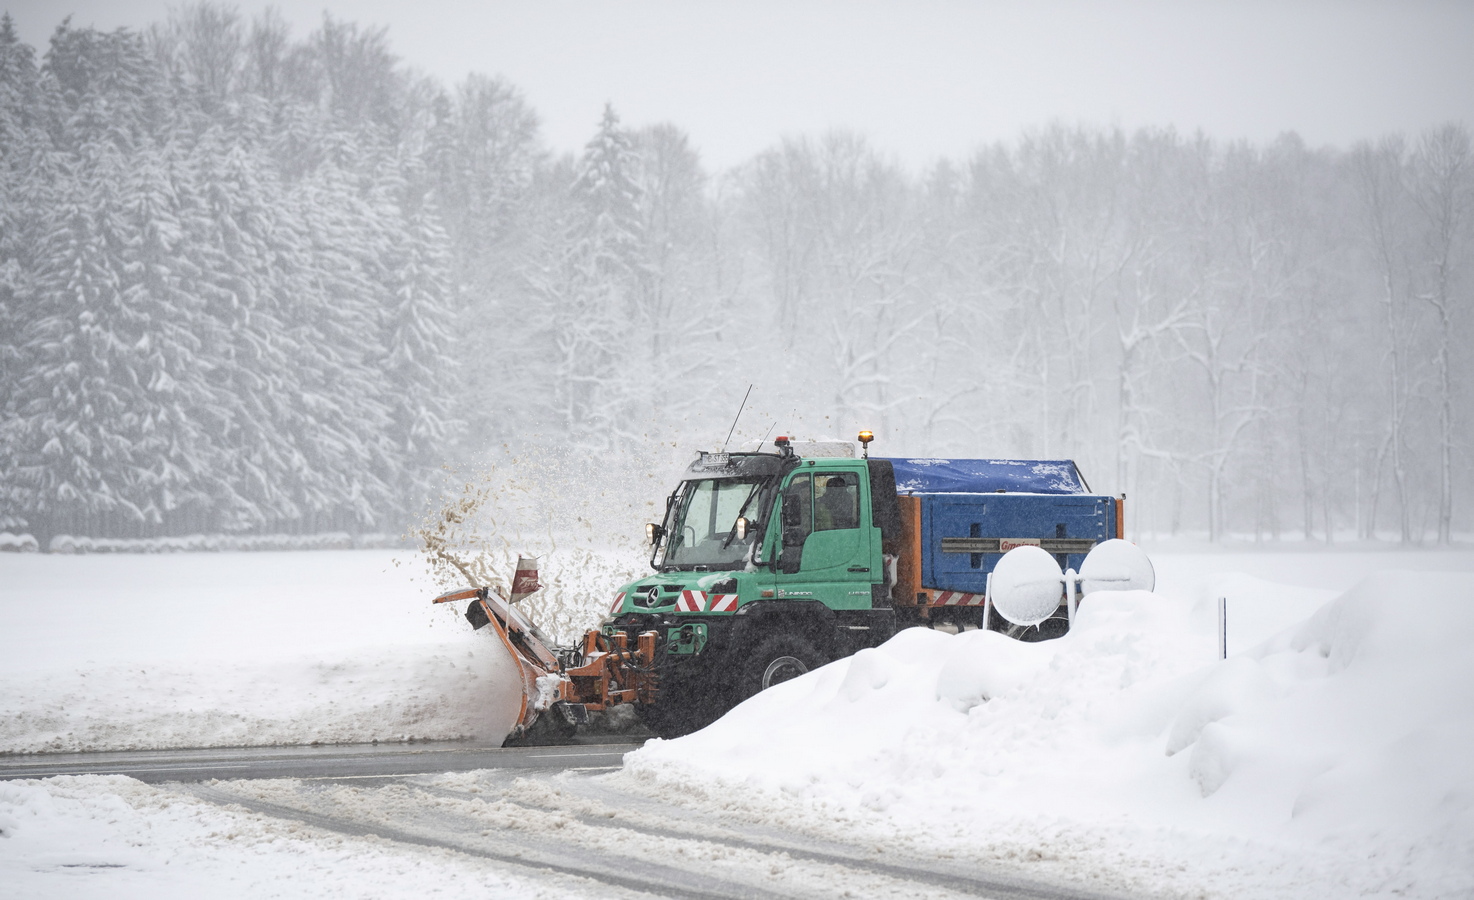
{"points": [[922, 78]]}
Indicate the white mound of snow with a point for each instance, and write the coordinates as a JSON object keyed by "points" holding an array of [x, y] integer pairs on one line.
{"points": [[1332, 759], [127, 652]]}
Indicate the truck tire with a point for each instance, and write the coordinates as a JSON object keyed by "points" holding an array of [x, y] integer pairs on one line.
{"points": [[685, 703], [672, 720], [776, 659]]}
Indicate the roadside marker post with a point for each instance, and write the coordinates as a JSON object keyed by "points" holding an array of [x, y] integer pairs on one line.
{"points": [[1223, 628]]}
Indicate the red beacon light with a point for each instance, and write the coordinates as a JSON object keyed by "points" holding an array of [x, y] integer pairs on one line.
{"points": [[781, 442]]}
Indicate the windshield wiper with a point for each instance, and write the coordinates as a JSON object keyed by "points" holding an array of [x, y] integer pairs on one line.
{"points": [[733, 533]]}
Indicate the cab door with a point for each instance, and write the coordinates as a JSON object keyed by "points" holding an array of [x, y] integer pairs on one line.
{"points": [[822, 554]]}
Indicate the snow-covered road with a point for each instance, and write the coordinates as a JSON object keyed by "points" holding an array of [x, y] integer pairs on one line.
{"points": [[333, 760], [487, 833]]}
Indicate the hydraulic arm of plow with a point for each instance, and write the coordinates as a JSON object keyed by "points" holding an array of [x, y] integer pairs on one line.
{"points": [[603, 671]]}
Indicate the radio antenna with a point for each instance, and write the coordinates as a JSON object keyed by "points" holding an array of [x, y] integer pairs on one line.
{"points": [[738, 418], [765, 435]]}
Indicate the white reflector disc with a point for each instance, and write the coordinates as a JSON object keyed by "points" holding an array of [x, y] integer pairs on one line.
{"points": [[1027, 586], [1116, 565]]}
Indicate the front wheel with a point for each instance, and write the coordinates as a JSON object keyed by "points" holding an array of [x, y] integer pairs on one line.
{"points": [[778, 658], [686, 702], [672, 719]]}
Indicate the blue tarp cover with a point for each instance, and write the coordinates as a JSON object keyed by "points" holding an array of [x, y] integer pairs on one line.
{"points": [[983, 476]]}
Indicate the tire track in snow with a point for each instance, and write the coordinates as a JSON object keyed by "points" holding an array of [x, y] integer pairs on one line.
{"points": [[647, 861], [607, 808], [600, 875]]}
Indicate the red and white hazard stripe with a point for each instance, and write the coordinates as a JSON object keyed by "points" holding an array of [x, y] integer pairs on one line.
{"points": [[723, 603], [691, 601], [958, 598], [618, 603]]}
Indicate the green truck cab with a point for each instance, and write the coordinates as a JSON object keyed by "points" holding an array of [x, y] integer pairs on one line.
{"points": [[767, 565]]}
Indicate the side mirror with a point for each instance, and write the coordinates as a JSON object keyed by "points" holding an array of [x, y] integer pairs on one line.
{"points": [[744, 528], [653, 533]]}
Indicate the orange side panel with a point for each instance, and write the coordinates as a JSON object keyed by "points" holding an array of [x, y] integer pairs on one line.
{"points": [[1121, 516], [908, 566]]}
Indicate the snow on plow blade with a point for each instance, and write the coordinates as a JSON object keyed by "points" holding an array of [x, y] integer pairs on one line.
{"points": [[602, 672], [537, 664]]}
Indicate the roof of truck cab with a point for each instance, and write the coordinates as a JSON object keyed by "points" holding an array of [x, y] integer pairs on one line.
{"points": [[985, 476]]}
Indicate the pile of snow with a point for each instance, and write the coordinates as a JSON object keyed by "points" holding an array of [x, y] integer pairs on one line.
{"points": [[18, 543], [1332, 759], [123, 652]]}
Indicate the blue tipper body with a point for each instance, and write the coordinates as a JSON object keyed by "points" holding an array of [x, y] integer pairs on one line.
{"points": [[1008, 500]]}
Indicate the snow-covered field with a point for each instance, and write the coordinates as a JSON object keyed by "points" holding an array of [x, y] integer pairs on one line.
{"points": [[120, 652], [1327, 757]]}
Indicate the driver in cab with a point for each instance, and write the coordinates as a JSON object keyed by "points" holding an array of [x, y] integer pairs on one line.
{"points": [[838, 506]]}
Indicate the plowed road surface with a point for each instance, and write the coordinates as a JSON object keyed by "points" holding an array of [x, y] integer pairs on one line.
{"points": [[545, 813]]}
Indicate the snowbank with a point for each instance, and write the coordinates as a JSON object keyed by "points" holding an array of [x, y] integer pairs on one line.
{"points": [[116, 652], [18, 543], [1330, 760]]}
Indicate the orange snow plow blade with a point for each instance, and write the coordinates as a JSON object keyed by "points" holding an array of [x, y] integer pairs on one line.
{"points": [[603, 672], [537, 663]]}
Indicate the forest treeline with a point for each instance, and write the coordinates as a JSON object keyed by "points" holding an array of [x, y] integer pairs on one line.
{"points": [[251, 282]]}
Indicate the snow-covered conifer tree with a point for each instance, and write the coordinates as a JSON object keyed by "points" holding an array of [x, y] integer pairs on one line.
{"points": [[588, 288], [174, 340], [335, 318], [249, 249], [72, 454], [421, 366]]}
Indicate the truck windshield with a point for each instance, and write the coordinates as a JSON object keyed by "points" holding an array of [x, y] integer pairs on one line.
{"points": [[701, 522]]}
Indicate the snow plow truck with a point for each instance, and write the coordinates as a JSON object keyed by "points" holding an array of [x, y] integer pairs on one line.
{"points": [[770, 564]]}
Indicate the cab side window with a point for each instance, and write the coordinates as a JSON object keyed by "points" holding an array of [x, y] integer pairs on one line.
{"points": [[837, 501]]}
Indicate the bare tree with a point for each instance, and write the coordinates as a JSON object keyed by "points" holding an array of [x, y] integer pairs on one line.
{"points": [[673, 222], [1144, 320], [778, 189], [206, 44], [1443, 187], [1379, 176]]}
